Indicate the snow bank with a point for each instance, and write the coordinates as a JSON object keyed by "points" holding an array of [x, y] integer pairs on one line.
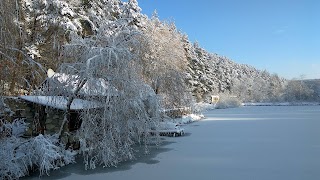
{"points": [[224, 103], [202, 106], [188, 118]]}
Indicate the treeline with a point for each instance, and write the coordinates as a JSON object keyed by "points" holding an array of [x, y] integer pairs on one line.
{"points": [[210, 74], [36, 36]]}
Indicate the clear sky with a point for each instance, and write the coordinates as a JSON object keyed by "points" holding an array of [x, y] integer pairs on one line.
{"points": [[281, 36]]}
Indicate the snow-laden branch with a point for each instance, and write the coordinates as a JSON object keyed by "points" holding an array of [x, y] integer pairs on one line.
{"points": [[18, 155], [30, 60], [130, 108]]}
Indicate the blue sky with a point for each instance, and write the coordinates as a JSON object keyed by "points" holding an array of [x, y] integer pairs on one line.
{"points": [[281, 36]]}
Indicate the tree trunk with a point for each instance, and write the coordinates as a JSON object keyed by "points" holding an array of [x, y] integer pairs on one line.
{"points": [[66, 118]]}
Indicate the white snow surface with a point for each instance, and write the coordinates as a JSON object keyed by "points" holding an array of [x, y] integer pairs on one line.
{"points": [[60, 102], [188, 118], [92, 87], [205, 106], [280, 143]]}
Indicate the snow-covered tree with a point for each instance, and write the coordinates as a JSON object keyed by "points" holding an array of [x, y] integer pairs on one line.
{"points": [[127, 107], [211, 74], [297, 90], [164, 63], [17, 68], [132, 13], [276, 88]]}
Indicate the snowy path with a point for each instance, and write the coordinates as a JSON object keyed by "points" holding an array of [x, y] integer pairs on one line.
{"points": [[278, 143]]}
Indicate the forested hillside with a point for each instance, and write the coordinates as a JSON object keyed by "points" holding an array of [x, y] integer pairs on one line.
{"points": [[37, 35], [210, 74]]}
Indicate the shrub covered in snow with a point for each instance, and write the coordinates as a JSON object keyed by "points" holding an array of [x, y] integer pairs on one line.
{"points": [[227, 102], [19, 155], [16, 128], [200, 107]]}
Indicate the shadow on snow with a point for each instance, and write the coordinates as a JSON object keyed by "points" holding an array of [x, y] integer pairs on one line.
{"points": [[78, 168]]}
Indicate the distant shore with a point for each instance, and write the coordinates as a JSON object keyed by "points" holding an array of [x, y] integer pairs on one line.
{"points": [[283, 104]]}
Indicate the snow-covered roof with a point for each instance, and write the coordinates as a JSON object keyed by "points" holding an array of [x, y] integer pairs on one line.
{"points": [[93, 86], [60, 102]]}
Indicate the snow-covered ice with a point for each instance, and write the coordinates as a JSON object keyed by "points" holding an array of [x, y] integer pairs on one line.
{"points": [[278, 143]]}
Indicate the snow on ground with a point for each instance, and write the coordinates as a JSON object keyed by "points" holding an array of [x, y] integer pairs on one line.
{"points": [[189, 118], [204, 106], [280, 143]]}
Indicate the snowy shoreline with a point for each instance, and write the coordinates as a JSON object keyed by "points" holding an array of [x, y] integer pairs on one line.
{"points": [[283, 104], [206, 106]]}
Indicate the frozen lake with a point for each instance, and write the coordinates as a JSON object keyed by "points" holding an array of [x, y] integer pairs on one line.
{"points": [[278, 143]]}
